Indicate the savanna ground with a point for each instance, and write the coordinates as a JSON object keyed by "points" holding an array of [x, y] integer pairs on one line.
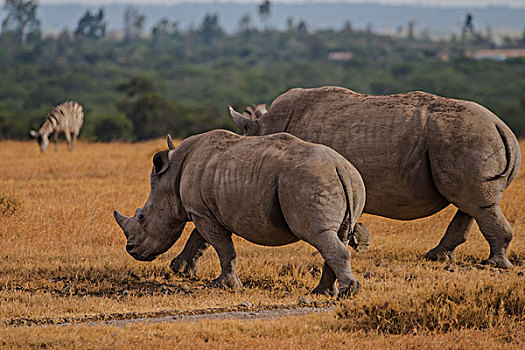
{"points": [[63, 260]]}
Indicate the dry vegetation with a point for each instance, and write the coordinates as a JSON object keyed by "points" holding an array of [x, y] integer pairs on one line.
{"points": [[63, 259]]}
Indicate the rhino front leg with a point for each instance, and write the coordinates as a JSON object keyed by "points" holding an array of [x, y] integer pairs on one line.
{"points": [[457, 233], [221, 240], [187, 261], [337, 258]]}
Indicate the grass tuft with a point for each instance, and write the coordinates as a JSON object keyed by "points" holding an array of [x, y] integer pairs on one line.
{"points": [[447, 307], [8, 204]]}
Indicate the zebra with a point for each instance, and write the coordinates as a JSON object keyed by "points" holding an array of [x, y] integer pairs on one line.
{"points": [[66, 118]]}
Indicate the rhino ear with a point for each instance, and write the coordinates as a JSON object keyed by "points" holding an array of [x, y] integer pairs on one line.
{"points": [[171, 146], [161, 162], [260, 110], [244, 123]]}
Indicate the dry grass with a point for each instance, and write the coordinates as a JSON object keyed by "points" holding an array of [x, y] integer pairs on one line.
{"points": [[63, 258]]}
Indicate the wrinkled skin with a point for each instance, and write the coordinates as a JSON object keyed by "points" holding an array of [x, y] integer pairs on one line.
{"points": [[417, 153], [271, 190]]}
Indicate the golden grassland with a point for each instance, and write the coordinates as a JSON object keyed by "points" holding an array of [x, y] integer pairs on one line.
{"points": [[63, 260]]}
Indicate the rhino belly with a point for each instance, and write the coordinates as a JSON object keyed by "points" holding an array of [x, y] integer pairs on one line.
{"points": [[266, 228], [403, 202], [274, 238], [253, 212], [398, 187]]}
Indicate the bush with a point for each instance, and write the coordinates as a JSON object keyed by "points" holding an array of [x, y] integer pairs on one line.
{"points": [[108, 127]]}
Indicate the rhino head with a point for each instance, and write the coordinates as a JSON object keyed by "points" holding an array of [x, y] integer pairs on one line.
{"points": [[159, 223], [249, 124]]}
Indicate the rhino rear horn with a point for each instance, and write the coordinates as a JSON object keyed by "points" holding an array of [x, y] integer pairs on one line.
{"points": [[171, 146], [244, 123], [161, 162]]}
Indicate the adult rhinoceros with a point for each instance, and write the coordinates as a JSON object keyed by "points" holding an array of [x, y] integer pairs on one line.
{"points": [[271, 190], [416, 152]]}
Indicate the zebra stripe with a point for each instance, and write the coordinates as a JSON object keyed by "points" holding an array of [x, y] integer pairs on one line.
{"points": [[66, 118]]}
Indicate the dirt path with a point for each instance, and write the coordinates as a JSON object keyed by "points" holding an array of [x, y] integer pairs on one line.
{"points": [[242, 311], [247, 315]]}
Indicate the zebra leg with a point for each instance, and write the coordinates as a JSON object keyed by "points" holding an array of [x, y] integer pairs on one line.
{"points": [[68, 140], [73, 140], [55, 139]]}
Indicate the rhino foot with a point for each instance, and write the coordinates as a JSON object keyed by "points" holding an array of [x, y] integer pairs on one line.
{"points": [[330, 291], [350, 290], [228, 281], [501, 262], [441, 254], [181, 266]]}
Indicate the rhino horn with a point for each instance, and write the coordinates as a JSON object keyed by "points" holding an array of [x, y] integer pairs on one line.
{"points": [[171, 146], [240, 120], [121, 221]]}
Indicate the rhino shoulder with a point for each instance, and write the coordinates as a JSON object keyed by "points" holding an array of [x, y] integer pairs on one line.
{"points": [[213, 136], [285, 137], [215, 139]]}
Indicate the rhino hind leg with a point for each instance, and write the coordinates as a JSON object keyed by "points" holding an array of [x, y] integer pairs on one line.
{"points": [[187, 262], [456, 234], [337, 263], [359, 240], [327, 284], [498, 232]]}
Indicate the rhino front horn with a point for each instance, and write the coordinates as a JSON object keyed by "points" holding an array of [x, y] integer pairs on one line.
{"points": [[121, 220]]}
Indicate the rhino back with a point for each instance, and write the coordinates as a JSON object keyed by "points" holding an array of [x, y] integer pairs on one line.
{"points": [[384, 137], [243, 185]]}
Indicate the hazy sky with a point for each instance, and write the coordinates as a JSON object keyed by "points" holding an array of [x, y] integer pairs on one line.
{"points": [[442, 3]]}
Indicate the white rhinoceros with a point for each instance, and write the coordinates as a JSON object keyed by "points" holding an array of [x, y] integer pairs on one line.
{"points": [[417, 153], [271, 190]]}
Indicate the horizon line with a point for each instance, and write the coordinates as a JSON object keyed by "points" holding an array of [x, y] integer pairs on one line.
{"points": [[435, 4]]}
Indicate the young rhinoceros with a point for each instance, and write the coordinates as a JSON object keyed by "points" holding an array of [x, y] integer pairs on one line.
{"points": [[271, 190]]}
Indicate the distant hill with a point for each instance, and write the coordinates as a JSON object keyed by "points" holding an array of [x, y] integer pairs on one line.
{"points": [[381, 18]]}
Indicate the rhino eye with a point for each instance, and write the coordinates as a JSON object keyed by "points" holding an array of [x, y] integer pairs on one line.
{"points": [[141, 217]]}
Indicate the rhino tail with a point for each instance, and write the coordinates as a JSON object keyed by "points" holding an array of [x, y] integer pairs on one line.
{"points": [[512, 154], [347, 225]]}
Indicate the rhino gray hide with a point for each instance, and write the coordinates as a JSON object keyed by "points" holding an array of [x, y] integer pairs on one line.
{"points": [[416, 152], [271, 190]]}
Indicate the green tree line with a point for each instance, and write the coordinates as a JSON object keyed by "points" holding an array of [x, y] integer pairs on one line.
{"points": [[145, 85]]}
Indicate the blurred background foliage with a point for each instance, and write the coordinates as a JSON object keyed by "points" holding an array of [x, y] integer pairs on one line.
{"points": [[143, 85]]}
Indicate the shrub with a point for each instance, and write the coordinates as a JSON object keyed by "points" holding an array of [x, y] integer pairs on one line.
{"points": [[108, 127]]}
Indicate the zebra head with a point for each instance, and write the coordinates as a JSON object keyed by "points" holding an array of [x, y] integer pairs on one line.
{"points": [[42, 139]]}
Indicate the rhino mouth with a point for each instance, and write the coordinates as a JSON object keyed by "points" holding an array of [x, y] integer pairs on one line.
{"points": [[143, 257]]}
